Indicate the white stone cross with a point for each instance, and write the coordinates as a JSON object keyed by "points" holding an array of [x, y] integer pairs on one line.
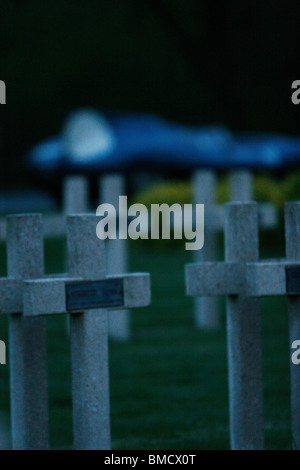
{"points": [[243, 322], [241, 185], [75, 195], [111, 187], [207, 315], [86, 294], [75, 200], [27, 336], [282, 277]]}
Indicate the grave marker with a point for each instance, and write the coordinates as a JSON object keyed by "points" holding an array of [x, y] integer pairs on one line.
{"points": [[75, 195], [27, 336], [243, 322], [207, 314], [241, 186], [282, 277], [112, 186], [85, 294], [75, 201]]}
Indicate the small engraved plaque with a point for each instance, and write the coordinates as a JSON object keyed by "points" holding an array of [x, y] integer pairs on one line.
{"points": [[292, 276], [86, 295]]}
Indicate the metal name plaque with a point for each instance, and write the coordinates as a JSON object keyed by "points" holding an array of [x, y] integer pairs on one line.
{"points": [[292, 276], [86, 295]]}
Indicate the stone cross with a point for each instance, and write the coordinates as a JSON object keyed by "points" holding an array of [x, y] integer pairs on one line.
{"points": [[111, 187], [241, 189], [75, 200], [282, 277], [27, 336], [75, 195], [243, 322], [86, 294], [207, 314], [241, 186]]}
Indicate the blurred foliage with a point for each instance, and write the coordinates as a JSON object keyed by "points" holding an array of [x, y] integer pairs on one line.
{"points": [[172, 192], [187, 61], [267, 188]]}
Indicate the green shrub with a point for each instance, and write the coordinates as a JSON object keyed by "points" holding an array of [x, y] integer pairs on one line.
{"points": [[171, 192], [267, 188]]}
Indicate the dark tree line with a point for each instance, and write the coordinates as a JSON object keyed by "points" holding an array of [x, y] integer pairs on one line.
{"points": [[195, 62]]}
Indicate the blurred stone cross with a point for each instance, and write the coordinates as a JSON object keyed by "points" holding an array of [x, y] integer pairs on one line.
{"points": [[86, 294], [111, 187], [282, 277], [204, 184], [243, 322]]}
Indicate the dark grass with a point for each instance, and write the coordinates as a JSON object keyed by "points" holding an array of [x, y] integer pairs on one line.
{"points": [[169, 384]]}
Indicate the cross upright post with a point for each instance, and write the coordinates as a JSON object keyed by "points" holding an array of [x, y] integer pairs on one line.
{"points": [[75, 195], [241, 185], [111, 187], [292, 236], [243, 322], [27, 336], [207, 314], [282, 277]]}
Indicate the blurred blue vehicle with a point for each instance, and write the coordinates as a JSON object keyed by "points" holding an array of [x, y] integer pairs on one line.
{"points": [[91, 141]]}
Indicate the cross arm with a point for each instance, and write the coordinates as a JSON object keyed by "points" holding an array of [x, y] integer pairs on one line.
{"points": [[137, 289], [72, 295], [210, 279], [273, 278], [267, 216], [45, 296]]}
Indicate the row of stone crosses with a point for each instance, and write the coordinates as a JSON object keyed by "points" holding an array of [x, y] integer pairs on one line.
{"points": [[86, 293], [241, 278], [204, 183]]}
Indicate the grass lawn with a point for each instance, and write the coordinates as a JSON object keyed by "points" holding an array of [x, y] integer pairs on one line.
{"points": [[169, 384]]}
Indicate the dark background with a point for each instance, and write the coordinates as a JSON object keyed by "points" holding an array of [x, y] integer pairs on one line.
{"points": [[192, 61], [195, 62]]}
